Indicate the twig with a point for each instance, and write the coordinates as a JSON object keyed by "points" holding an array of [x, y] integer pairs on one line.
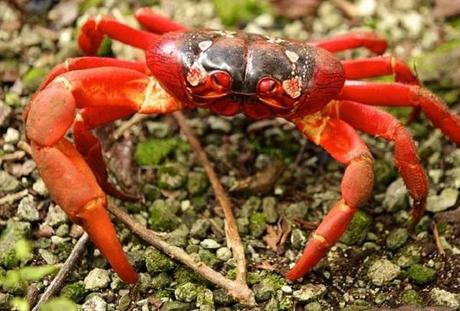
{"points": [[17, 155], [437, 239], [235, 288], [58, 281], [137, 118], [231, 229], [13, 197]]}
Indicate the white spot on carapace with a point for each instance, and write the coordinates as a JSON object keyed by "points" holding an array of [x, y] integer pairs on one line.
{"points": [[292, 56], [204, 45], [64, 81], [293, 87], [196, 75]]}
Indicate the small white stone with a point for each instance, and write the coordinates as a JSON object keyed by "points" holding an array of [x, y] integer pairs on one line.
{"points": [[210, 244], [286, 289], [97, 279], [40, 187], [11, 136]]}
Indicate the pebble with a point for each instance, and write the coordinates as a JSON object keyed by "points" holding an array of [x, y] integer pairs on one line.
{"points": [[443, 201], [186, 292], [8, 183], [97, 279], [27, 209], [40, 187], [55, 216], [269, 209], [94, 303], [383, 271], [5, 113], [286, 289], [12, 136], [47, 256], [310, 292], [395, 196], [366, 7], [199, 228], [210, 244], [397, 238], [442, 297], [224, 253]]}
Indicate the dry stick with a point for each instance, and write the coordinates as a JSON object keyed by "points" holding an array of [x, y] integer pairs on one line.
{"points": [[437, 238], [58, 282], [13, 197], [234, 288], [231, 229]]}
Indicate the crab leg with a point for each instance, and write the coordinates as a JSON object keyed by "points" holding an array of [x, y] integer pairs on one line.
{"points": [[379, 123], [68, 177], [156, 23], [343, 144], [353, 40], [93, 30], [401, 95], [379, 66]]}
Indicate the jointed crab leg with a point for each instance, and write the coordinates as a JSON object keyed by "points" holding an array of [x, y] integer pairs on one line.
{"points": [[353, 40], [344, 145], [379, 123], [70, 180], [88, 62], [94, 29], [401, 95], [156, 23], [356, 69]]}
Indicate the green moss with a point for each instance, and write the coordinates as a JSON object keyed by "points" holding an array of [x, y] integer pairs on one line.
{"points": [[171, 176], [397, 238], [257, 224], [357, 230], [183, 275], [154, 151], [421, 274], [410, 297], [14, 232], [187, 292], [197, 183], [161, 281], [208, 258], [75, 291], [155, 261], [408, 255], [162, 217], [238, 11]]}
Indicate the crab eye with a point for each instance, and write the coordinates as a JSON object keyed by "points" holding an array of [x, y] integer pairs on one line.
{"points": [[221, 80], [267, 85]]}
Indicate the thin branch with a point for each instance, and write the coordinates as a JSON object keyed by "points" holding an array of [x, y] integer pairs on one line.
{"points": [[437, 238], [235, 288], [58, 282], [231, 229]]}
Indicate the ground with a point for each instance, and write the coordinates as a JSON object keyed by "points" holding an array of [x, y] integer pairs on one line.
{"points": [[378, 262]]}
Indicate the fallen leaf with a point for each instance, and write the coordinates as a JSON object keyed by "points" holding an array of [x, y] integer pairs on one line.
{"points": [[277, 235], [263, 181]]}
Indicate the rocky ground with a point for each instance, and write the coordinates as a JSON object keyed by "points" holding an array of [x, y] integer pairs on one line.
{"points": [[378, 263]]}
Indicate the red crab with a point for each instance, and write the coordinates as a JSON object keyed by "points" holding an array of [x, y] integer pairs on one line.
{"points": [[229, 73]]}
